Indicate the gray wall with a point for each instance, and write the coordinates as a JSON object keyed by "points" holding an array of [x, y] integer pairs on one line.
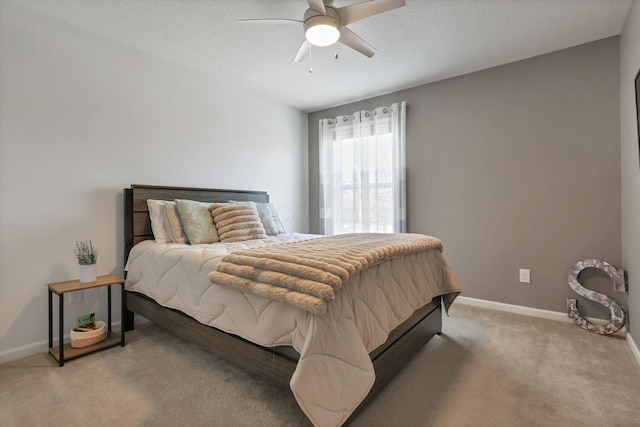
{"points": [[82, 117], [514, 167], [629, 66]]}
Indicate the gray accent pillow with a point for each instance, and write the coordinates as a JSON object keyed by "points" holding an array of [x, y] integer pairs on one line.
{"points": [[264, 211], [276, 219], [197, 221]]}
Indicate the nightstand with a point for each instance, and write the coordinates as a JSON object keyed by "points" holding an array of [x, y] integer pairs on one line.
{"points": [[64, 351]]}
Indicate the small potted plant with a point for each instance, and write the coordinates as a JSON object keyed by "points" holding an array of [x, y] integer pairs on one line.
{"points": [[87, 256]]}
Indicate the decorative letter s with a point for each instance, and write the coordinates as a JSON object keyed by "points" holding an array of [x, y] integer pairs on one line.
{"points": [[617, 319]]}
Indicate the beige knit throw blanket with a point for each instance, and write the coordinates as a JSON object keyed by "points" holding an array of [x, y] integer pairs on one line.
{"points": [[306, 274]]}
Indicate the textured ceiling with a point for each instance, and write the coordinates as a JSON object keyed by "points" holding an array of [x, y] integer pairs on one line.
{"points": [[426, 41]]}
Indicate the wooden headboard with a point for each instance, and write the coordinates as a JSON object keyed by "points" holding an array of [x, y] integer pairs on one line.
{"points": [[137, 224]]}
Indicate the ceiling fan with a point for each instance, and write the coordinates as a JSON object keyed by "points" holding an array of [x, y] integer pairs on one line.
{"points": [[325, 24]]}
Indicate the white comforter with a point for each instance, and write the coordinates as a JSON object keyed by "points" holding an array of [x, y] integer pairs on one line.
{"points": [[334, 373]]}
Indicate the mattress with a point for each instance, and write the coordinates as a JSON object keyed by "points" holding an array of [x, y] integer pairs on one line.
{"points": [[333, 346]]}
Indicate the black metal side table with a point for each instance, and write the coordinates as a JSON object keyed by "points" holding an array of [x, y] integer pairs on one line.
{"points": [[63, 351]]}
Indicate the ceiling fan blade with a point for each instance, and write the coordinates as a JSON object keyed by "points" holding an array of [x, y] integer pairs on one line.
{"points": [[356, 12], [349, 38], [269, 21], [317, 5], [302, 52]]}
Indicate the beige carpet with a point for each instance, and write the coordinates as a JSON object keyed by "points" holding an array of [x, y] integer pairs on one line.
{"points": [[488, 368]]}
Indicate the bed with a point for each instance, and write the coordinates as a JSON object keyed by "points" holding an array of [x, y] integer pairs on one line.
{"points": [[276, 359]]}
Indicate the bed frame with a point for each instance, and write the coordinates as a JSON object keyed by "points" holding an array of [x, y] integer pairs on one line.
{"points": [[275, 364]]}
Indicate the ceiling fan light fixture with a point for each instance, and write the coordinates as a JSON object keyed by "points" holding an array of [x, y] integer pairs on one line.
{"points": [[324, 24], [322, 35], [322, 31]]}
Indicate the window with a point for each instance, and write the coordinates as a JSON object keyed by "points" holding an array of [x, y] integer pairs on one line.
{"points": [[362, 172]]}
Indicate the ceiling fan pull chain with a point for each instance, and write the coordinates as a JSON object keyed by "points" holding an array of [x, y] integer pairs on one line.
{"points": [[310, 59], [335, 51]]}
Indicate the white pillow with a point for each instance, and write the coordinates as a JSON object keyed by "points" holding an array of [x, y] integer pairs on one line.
{"points": [[165, 222], [177, 231]]}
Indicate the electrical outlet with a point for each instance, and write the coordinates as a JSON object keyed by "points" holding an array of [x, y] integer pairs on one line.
{"points": [[75, 297], [525, 275]]}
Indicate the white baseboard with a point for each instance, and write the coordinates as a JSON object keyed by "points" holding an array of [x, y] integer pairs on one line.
{"points": [[33, 348], [517, 309], [634, 348], [25, 350], [43, 346]]}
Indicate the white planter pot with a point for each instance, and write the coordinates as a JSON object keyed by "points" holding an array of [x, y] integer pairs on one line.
{"points": [[87, 273]]}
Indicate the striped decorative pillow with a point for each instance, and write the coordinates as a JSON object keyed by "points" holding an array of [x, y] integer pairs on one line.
{"points": [[237, 222]]}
